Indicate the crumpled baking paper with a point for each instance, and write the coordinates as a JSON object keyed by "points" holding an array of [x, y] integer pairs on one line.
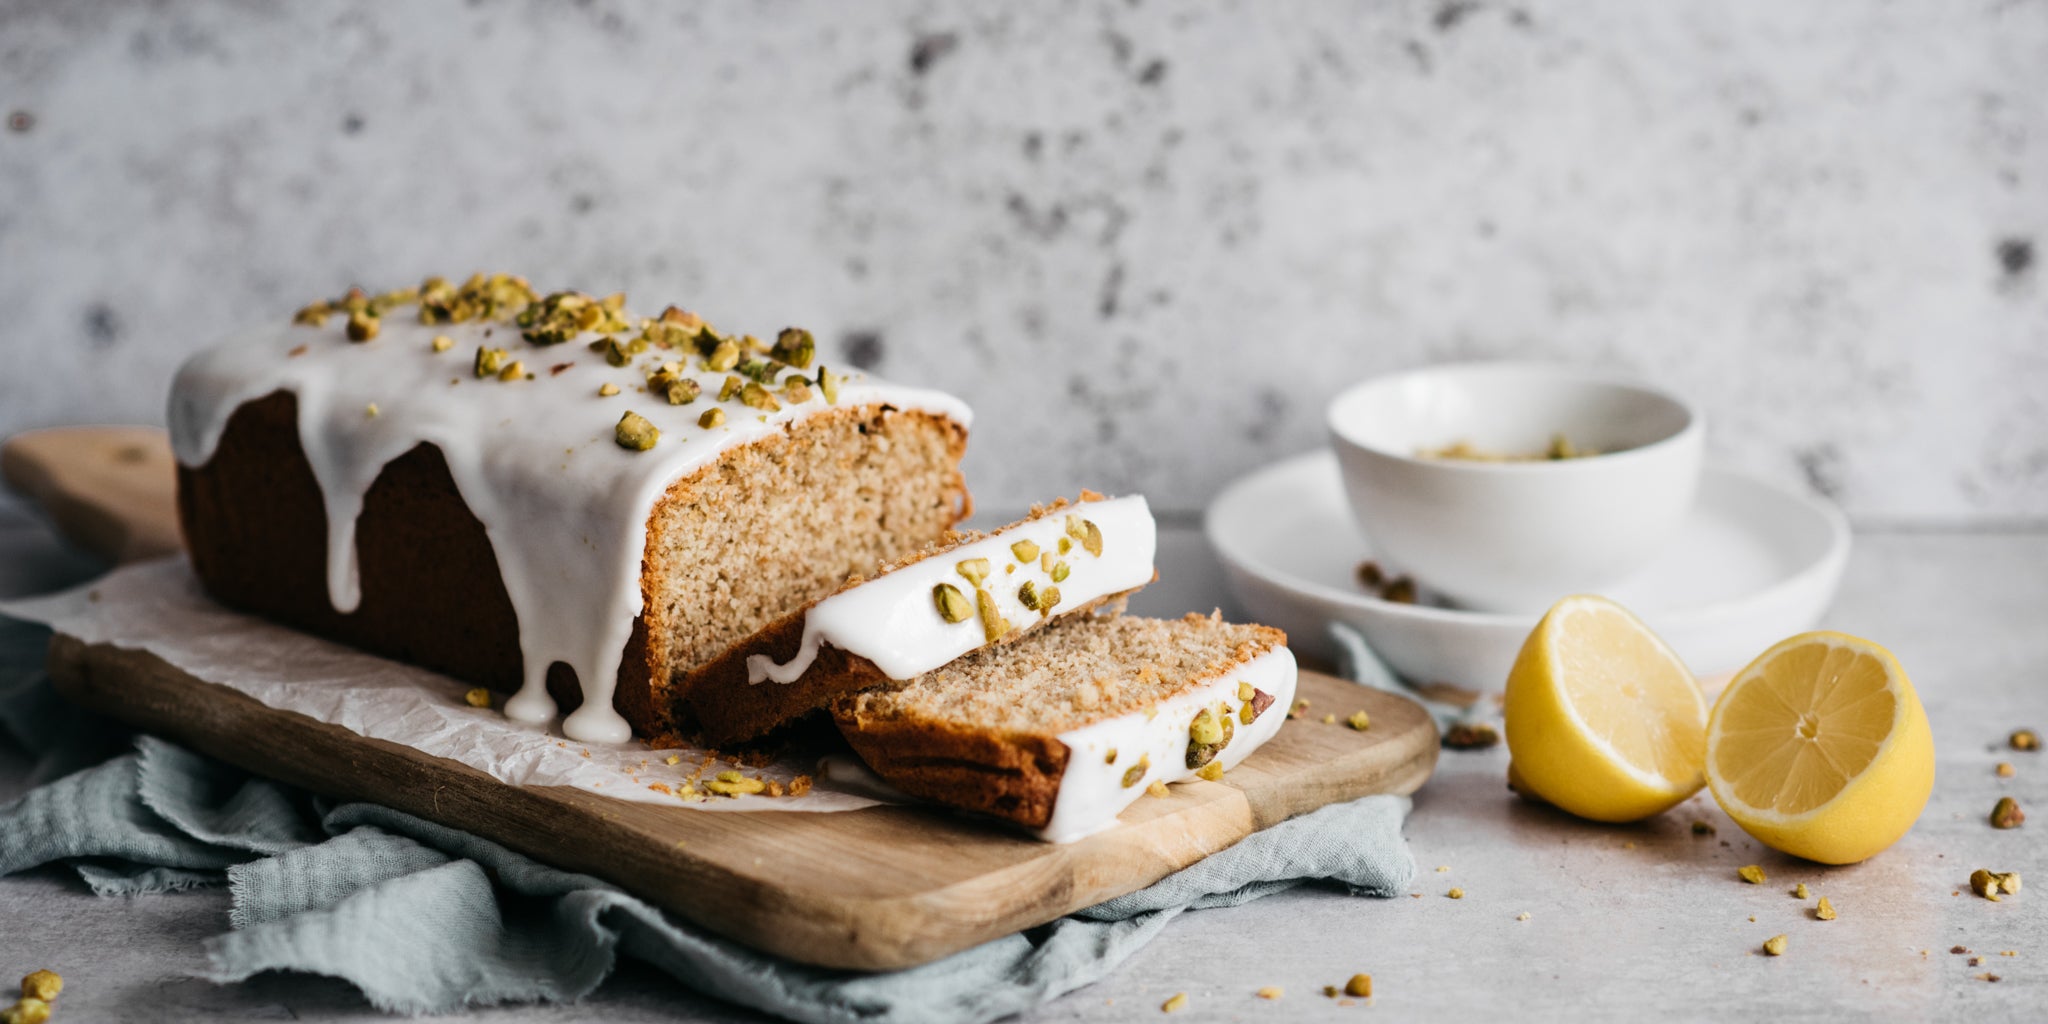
{"points": [[159, 607]]}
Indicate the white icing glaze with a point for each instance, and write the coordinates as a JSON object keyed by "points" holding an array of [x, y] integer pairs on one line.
{"points": [[564, 506], [1092, 791], [892, 620]]}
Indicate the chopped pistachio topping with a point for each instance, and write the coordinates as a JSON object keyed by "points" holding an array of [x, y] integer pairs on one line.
{"points": [[713, 417], [1025, 551], [442, 343], [1800, 892], [1111, 757], [1155, 788], [563, 315], [730, 389], [371, 411], [1456, 893], [1066, 545], [43, 985], [636, 432], [1359, 720], [1247, 714], [480, 298], [761, 371], [828, 385], [1048, 599], [477, 697], [2024, 739], [993, 625], [1087, 533], [795, 347], [1027, 595], [1060, 570], [1213, 771], [313, 314], [672, 383], [607, 389], [1245, 690], [513, 370], [1204, 729], [2007, 814], [1775, 945], [757, 397], [1174, 1003], [733, 784], [1824, 910], [363, 325], [1136, 773], [796, 391], [953, 607], [1751, 873], [489, 361], [973, 569], [724, 356]]}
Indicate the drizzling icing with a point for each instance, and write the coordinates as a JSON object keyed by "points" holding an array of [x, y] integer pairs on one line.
{"points": [[892, 621], [564, 506], [1092, 791]]}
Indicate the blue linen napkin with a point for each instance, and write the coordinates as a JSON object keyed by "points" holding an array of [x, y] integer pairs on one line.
{"points": [[423, 918]]}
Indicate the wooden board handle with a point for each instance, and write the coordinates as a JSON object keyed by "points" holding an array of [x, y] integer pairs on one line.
{"points": [[110, 490]]}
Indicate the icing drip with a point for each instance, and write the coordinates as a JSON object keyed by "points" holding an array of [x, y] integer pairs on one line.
{"points": [[564, 506], [1092, 791], [892, 621]]}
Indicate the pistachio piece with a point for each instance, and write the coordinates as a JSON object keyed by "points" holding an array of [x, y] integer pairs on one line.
{"points": [[477, 697], [363, 325], [489, 361], [313, 315], [733, 784], [795, 347], [442, 343], [1360, 986], [1801, 892], [636, 432], [1110, 758], [2007, 814], [724, 356], [607, 389], [1213, 771], [1060, 570], [1048, 599], [1027, 595], [1025, 551], [1985, 883], [1359, 720], [757, 397], [1066, 544], [1136, 773], [1751, 873], [828, 385], [953, 607], [1045, 563], [730, 389], [43, 985], [713, 417], [1244, 690], [1824, 910], [973, 569], [1204, 728], [796, 391], [1208, 733], [1086, 533], [1775, 945], [2024, 739], [993, 625], [513, 370]]}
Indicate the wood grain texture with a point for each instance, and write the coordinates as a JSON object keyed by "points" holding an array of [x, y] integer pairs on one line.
{"points": [[110, 490], [873, 889]]}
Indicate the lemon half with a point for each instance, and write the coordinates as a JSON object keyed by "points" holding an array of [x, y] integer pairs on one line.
{"points": [[1820, 749], [1603, 719]]}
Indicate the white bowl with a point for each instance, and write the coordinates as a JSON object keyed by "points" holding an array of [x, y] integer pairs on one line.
{"points": [[1516, 536], [1752, 564]]}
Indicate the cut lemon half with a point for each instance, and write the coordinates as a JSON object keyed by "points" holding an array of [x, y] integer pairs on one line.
{"points": [[1820, 749], [1603, 719]]}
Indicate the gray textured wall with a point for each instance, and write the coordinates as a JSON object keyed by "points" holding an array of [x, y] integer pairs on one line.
{"points": [[1147, 240]]}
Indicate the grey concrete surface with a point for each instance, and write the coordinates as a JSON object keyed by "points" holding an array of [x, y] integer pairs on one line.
{"points": [[1626, 923], [1147, 240]]}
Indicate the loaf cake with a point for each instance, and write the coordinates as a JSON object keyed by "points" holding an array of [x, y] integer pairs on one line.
{"points": [[918, 614], [1062, 730], [543, 494]]}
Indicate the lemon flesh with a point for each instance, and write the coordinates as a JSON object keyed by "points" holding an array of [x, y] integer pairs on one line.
{"points": [[1820, 749], [1603, 719]]}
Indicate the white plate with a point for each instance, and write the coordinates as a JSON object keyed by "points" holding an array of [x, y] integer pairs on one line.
{"points": [[1753, 563]]}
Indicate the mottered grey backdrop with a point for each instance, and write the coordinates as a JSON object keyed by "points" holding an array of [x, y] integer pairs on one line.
{"points": [[1147, 240]]}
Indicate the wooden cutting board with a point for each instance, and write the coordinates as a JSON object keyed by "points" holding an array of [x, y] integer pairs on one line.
{"points": [[878, 888]]}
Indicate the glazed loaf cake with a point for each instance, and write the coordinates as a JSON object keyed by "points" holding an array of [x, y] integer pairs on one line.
{"points": [[1062, 730], [917, 615], [544, 495]]}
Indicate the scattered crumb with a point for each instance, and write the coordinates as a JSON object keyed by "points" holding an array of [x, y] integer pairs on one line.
{"points": [[478, 698], [1800, 891], [1473, 736], [1441, 868], [1330, 991], [1329, 719], [586, 752], [1824, 911], [1456, 893], [661, 787], [1958, 949], [1270, 992], [1775, 945], [2008, 952], [1359, 720], [2007, 814], [2024, 739], [672, 759], [1156, 788], [1752, 919], [1986, 976], [43, 985], [2005, 769], [1751, 873], [1702, 828], [1360, 985], [1523, 916], [1976, 961], [1174, 1004], [1630, 845]]}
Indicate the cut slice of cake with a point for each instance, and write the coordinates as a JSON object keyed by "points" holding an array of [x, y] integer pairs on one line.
{"points": [[923, 612], [543, 494], [1062, 730]]}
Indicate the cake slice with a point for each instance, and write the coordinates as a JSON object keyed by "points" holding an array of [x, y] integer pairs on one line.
{"points": [[1062, 730], [918, 614], [543, 493]]}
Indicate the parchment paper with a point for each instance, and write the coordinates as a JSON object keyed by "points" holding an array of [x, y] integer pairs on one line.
{"points": [[158, 607]]}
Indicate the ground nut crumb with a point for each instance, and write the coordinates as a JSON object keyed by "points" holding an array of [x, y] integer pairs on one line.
{"points": [[1751, 873], [1360, 985]]}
